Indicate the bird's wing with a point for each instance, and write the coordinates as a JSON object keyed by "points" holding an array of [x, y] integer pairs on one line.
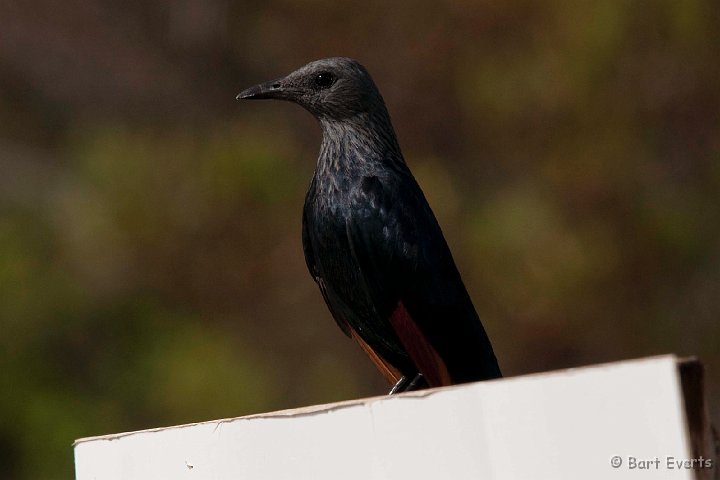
{"points": [[398, 246], [411, 276], [335, 305]]}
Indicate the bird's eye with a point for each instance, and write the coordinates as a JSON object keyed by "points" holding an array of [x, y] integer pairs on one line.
{"points": [[323, 80]]}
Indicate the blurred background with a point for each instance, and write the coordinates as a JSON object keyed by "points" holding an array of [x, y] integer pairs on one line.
{"points": [[151, 269]]}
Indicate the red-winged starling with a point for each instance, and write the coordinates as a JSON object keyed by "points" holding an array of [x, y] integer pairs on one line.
{"points": [[371, 241]]}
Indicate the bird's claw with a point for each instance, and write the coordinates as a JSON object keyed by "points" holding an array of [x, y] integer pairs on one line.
{"points": [[406, 385]]}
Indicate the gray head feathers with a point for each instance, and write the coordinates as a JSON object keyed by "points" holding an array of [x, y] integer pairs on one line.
{"points": [[335, 88]]}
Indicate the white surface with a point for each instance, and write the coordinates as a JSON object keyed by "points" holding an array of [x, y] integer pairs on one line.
{"points": [[565, 424]]}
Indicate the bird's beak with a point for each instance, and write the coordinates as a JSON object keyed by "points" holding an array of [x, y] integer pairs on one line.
{"points": [[271, 89]]}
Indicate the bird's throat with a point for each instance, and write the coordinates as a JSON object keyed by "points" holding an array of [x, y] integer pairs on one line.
{"points": [[358, 144]]}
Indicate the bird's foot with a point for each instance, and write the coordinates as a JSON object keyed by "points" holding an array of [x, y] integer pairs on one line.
{"points": [[399, 386], [405, 384]]}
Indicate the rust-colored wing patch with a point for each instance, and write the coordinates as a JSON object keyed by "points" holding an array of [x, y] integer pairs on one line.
{"points": [[389, 372], [425, 357]]}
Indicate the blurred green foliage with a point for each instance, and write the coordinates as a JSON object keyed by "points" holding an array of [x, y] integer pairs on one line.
{"points": [[151, 270]]}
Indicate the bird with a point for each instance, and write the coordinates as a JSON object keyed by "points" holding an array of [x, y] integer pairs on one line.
{"points": [[371, 241]]}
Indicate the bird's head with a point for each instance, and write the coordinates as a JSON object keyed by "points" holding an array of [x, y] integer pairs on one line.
{"points": [[331, 89]]}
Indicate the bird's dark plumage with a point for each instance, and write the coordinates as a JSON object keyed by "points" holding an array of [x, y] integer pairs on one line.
{"points": [[371, 241]]}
